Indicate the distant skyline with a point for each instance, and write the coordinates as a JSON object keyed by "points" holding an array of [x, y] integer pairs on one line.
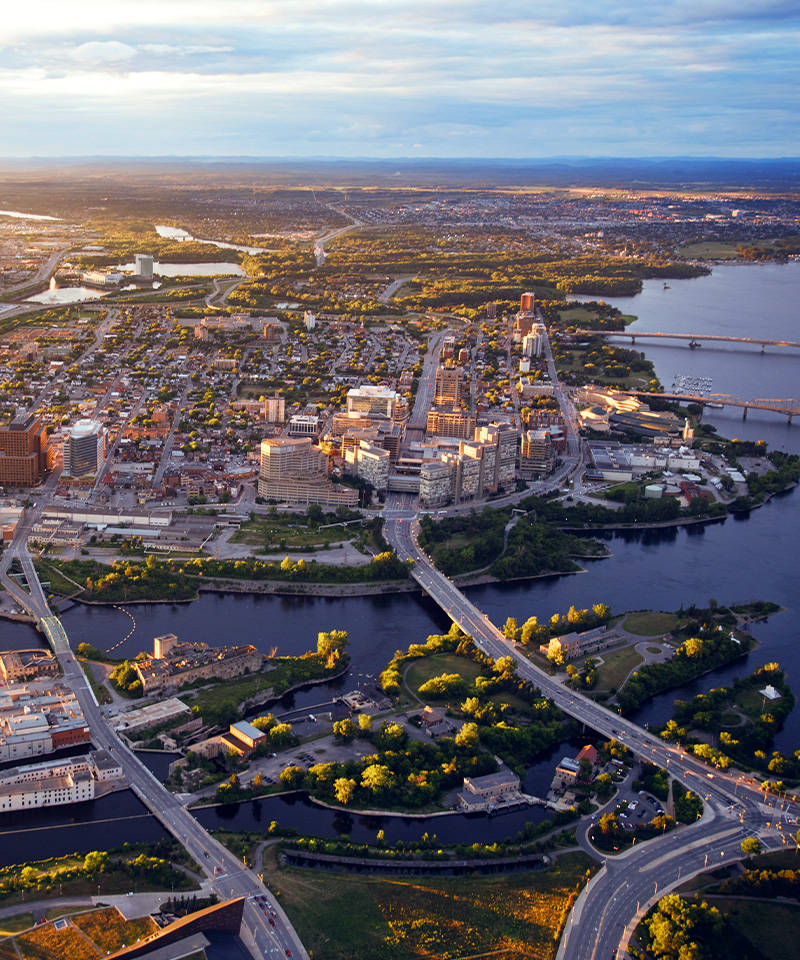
{"points": [[393, 78]]}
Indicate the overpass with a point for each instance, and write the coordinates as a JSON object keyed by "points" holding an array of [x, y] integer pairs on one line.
{"points": [[607, 911], [695, 339], [229, 877], [787, 407]]}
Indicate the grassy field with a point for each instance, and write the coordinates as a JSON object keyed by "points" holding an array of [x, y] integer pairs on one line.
{"points": [[650, 624], [773, 928], [711, 250], [110, 931], [280, 532], [15, 924], [616, 666], [419, 671], [353, 918]]}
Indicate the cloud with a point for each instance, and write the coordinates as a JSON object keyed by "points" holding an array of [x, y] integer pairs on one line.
{"points": [[101, 52], [181, 51]]}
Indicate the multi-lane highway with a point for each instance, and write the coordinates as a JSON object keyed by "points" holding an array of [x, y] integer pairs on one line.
{"points": [[229, 876], [734, 805]]}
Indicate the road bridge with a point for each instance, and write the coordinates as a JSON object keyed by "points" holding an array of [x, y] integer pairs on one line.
{"points": [[229, 877], [624, 889], [695, 339], [787, 407]]}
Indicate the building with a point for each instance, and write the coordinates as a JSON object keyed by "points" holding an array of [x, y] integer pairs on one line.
{"points": [[566, 774], [175, 663], [537, 457], [448, 386], [35, 723], [435, 483], [150, 715], [84, 448], [581, 644], [246, 736], [275, 409], [533, 342], [491, 791], [500, 441], [370, 400], [453, 422], [143, 266], [435, 722], [23, 452], [303, 425], [370, 463], [296, 471], [60, 781], [309, 319], [17, 666]]}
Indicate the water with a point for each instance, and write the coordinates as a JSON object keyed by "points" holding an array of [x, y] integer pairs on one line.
{"points": [[26, 216], [218, 268], [176, 233], [733, 561], [745, 300], [60, 295]]}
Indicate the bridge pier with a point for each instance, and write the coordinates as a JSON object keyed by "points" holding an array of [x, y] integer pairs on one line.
{"points": [[763, 348], [744, 414]]}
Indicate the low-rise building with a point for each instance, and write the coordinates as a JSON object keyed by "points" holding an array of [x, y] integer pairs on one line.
{"points": [[17, 666], [34, 723], [60, 781], [175, 663], [493, 790], [574, 645]]}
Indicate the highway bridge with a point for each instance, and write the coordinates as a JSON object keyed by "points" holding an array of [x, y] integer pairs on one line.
{"points": [[608, 910], [695, 339], [230, 878], [787, 407]]}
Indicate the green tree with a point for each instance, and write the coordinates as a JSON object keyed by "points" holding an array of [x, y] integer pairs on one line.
{"points": [[292, 777], [377, 777], [364, 723], [467, 737], [344, 729]]}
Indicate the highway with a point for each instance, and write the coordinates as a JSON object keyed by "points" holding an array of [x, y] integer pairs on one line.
{"points": [[229, 876], [734, 806]]}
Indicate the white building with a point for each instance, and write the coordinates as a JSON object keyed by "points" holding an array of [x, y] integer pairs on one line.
{"points": [[369, 462], [143, 266], [58, 781]]}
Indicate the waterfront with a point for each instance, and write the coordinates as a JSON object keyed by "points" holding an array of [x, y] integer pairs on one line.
{"points": [[217, 268], [176, 233], [738, 560]]}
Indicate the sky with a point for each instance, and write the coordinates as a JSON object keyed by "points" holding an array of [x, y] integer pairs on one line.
{"points": [[400, 78]]}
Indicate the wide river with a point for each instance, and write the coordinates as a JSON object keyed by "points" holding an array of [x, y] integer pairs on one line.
{"points": [[735, 560]]}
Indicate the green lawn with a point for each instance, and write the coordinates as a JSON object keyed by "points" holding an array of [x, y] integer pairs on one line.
{"points": [[772, 928], [15, 924], [616, 666], [290, 533], [350, 917], [419, 671], [650, 623], [710, 250]]}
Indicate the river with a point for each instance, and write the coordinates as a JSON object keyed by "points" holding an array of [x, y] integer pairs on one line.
{"points": [[176, 233], [731, 561]]}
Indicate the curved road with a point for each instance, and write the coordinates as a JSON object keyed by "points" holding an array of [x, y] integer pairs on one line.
{"points": [[623, 890]]}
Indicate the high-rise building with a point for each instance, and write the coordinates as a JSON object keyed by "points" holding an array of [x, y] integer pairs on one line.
{"points": [[537, 457], [84, 448], [450, 422], [369, 462], [448, 386], [23, 452], [527, 302], [500, 441], [533, 342], [295, 471], [275, 409], [143, 266]]}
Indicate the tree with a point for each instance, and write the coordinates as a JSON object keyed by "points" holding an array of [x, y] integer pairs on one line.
{"points": [[364, 723], [292, 777], [377, 777], [344, 789], [555, 652], [332, 642], [467, 737], [95, 861], [751, 846], [510, 628], [344, 729]]}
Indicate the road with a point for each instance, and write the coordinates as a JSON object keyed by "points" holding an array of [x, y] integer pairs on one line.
{"points": [[735, 807], [229, 877], [319, 244]]}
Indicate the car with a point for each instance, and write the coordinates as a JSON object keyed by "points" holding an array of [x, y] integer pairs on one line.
{"points": [[271, 921], [288, 953]]}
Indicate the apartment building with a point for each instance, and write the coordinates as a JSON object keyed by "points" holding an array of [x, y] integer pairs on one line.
{"points": [[23, 452]]}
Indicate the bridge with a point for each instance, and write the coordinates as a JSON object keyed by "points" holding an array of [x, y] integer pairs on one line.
{"points": [[787, 407], [606, 913], [695, 339], [229, 877]]}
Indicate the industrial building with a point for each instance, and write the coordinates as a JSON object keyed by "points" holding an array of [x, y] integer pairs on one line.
{"points": [[175, 663], [35, 722]]}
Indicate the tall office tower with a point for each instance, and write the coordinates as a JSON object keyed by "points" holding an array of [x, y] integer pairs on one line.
{"points": [[447, 386], [84, 447], [143, 266], [527, 302], [23, 451]]}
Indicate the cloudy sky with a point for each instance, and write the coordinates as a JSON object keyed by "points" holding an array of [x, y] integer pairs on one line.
{"points": [[391, 78]]}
